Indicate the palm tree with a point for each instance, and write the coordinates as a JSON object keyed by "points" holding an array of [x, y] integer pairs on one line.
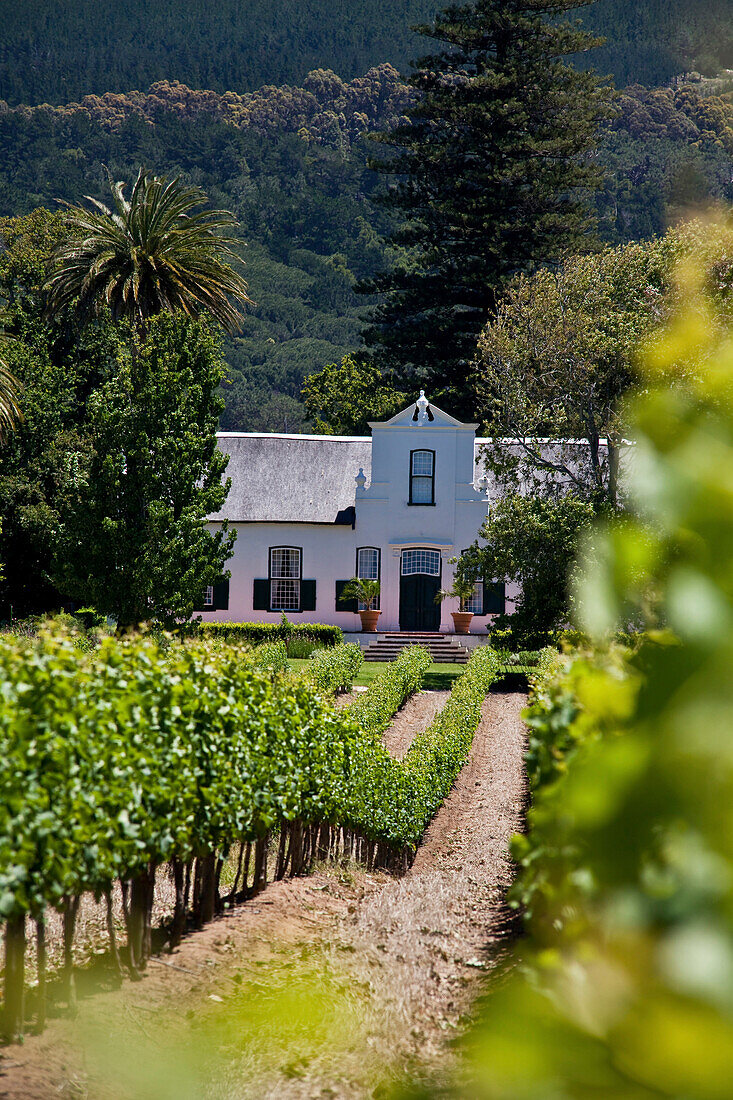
{"points": [[153, 252], [10, 412]]}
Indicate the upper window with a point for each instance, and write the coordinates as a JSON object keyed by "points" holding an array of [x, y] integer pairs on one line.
{"points": [[285, 575], [422, 477], [421, 561]]}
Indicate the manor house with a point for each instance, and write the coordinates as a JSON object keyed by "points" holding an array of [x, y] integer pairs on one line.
{"points": [[312, 511]]}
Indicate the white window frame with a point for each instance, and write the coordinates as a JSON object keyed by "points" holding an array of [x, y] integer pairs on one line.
{"points": [[372, 575], [422, 480], [209, 596], [476, 604], [423, 557], [285, 565]]}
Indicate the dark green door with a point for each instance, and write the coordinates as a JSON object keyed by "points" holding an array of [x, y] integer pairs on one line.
{"points": [[418, 609]]}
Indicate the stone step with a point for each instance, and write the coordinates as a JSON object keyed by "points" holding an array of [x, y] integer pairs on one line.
{"points": [[443, 650]]}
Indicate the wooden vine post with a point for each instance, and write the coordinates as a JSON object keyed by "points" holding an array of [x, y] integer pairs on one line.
{"points": [[14, 978]]}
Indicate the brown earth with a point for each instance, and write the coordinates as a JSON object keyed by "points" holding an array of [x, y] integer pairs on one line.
{"points": [[413, 718], [338, 984]]}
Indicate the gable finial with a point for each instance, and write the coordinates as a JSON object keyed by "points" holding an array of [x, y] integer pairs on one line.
{"points": [[422, 408]]}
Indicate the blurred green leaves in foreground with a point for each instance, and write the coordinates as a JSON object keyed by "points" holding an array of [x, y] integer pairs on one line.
{"points": [[626, 983]]}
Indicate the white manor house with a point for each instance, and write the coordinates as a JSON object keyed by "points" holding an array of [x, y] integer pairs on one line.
{"points": [[312, 511]]}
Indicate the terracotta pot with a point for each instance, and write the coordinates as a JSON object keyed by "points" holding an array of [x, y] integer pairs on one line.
{"points": [[369, 621], [461, 621]]}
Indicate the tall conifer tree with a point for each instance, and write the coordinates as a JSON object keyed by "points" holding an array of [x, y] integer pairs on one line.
{"points": [[492, 168]]}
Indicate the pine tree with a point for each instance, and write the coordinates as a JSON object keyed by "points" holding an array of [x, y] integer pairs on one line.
{"points": [[492, 167]]}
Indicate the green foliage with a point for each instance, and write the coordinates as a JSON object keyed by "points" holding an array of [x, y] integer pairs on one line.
{"points": [[489, 176], [532, 540], [262, 632], [288, 162], [342, 398], [393, 800], [627, 866], [134, 541], [53, 54], [132, 754], [401, 678], [156, 251], [557, 360], [272, 657], [334, 670], [362, 590]]}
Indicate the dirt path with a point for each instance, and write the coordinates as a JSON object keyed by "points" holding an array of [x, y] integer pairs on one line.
{"points": [[331, 986], [417, 714]]}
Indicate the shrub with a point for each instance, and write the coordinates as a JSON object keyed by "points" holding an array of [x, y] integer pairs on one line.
{"points": [[333, 670], [270, 632], [373, 710], [271, 657]]}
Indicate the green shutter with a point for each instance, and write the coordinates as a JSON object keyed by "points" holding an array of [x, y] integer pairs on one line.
{"points": [[307, 595], [494, 597], [344, 605], [261, 596], [221, 595]]}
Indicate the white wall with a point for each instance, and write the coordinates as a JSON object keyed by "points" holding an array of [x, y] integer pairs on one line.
{"points": [[384, 518]]}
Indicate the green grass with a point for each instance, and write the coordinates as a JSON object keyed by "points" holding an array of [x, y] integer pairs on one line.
{"points": [[437, 677]]}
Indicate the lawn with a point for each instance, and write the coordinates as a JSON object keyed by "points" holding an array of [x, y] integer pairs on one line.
{"points": [[437, 677]]}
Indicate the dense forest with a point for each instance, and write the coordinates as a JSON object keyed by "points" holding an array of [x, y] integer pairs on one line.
{"points": [[54, 51], [291, 163]]}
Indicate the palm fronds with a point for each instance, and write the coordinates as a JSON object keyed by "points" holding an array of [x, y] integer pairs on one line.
{"points": [[156, 251], [10, 411]]}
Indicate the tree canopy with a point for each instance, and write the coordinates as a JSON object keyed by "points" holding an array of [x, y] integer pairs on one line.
{"points": [[489, 178], [157, 250]]}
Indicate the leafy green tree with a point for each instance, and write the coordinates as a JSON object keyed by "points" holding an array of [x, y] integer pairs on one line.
{"points": [[532, 540], [491, 178], [343, 397], [558, 359], [556, 362], [58, 364], [154, 251], [134, 541]]}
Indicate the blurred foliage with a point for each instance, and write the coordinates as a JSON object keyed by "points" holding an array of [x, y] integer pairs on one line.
{"points": [[627, 865]]}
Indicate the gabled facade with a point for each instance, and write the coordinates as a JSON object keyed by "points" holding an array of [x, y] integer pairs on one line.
{"points": [[312, 511]]}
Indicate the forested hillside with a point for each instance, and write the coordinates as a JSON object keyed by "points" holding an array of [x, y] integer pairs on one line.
{"points": [[291, 163], [54, 51]]}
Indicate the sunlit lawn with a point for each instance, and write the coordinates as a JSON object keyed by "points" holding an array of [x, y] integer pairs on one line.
{"points": [[438, 677]]}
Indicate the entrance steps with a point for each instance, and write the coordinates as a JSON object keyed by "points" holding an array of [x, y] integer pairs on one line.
{"points": [[443, 650]]}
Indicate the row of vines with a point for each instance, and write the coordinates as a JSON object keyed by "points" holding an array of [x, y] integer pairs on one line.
{"points": [[135, 755]]}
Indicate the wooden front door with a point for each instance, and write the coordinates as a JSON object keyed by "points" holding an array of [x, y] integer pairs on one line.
{"points": [[418, 609]]}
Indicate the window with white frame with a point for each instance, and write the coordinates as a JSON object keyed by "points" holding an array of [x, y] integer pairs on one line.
{"points": [[367, 568], [421, 561], [422, 477], [285, 576], [476, 604], [209, 595]]}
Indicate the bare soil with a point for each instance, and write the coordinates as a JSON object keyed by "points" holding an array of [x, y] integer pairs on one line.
{"points": [[337, 985], [413, 718]]}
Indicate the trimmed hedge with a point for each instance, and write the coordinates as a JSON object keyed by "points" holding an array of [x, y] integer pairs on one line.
{"points": [[373, 711], [270, 632], [334, 670], [394, 801], [117, 760]]}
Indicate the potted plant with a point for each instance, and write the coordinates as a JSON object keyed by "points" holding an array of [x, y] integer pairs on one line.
{"points": [[366, 592], [461, 589]]}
